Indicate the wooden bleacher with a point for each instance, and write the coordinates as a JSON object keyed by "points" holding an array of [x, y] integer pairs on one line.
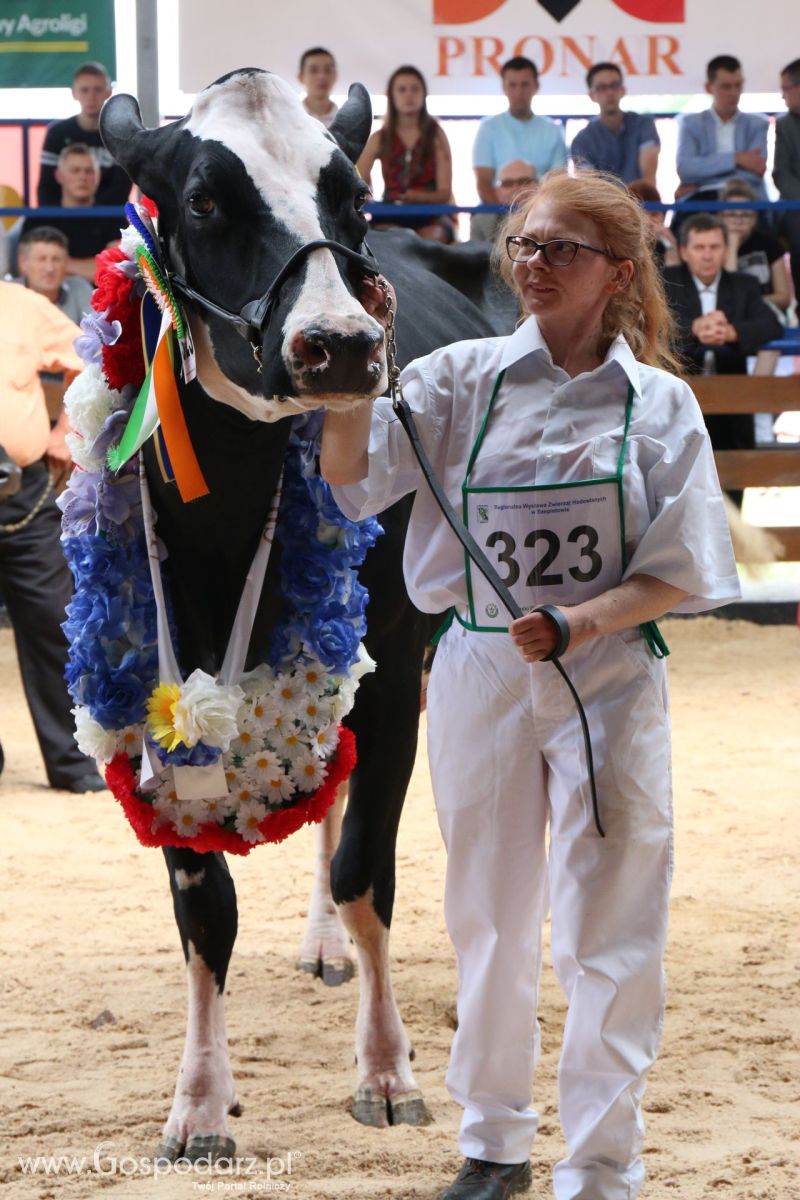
{"points": [[775, 466]]}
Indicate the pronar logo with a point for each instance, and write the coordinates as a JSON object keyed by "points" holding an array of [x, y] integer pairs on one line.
{"points": [[462, 12]]}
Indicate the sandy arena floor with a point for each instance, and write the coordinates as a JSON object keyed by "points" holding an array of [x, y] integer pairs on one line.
{"points": [[87, 926]]}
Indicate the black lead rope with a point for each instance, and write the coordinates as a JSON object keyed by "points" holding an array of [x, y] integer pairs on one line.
{"points": [[483, 564]]}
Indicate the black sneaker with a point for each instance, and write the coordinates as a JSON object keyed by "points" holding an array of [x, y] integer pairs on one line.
{"points": [[479, 1180]]}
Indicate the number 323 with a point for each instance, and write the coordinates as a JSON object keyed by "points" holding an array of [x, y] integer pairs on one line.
{"points": [[537, 576]]}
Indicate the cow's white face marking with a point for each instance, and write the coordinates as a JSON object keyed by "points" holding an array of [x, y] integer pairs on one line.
{"points": [[283, 150]]}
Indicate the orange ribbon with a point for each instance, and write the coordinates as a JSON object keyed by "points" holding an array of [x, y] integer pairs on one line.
{"points": [[188, 475]]}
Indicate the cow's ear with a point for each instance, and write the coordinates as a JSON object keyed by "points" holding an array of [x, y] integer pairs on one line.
{"points": [[123, 134], [352, 124]]}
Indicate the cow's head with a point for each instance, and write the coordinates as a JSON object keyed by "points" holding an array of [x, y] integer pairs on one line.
{"points": [[241, 183]]}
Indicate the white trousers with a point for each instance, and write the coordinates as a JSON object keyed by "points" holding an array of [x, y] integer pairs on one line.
{"points": [[507, 756]]}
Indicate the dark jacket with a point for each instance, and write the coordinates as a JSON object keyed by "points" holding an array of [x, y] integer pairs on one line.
{"points": [[739, 298]]}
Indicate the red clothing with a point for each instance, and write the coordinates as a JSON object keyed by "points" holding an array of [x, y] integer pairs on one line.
{"points": [[404, 169]]}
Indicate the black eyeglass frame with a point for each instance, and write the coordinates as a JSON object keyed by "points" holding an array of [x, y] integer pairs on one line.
{"points": [[514, 238]]}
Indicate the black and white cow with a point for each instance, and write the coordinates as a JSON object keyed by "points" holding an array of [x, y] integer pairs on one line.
{"points": [[242, 183]]}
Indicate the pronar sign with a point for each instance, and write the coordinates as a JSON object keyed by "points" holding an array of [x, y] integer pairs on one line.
{"points": [[459, 45], [41, 43]]}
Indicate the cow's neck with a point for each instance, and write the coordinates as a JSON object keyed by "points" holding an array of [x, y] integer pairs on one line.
{"points": [[211, 541]]}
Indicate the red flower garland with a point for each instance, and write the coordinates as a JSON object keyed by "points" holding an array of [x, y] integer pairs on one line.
{"points": [[124, 361], [275, 827]]}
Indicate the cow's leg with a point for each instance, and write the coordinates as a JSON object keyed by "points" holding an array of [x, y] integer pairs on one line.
{"points": [[205, 1094], [385, 722], [325, 949]]}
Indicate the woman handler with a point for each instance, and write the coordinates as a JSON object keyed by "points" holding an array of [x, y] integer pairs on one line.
{"points": [[585, 471]]}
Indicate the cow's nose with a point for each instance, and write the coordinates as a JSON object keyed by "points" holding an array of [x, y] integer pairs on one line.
{"points": [[326, 360]]}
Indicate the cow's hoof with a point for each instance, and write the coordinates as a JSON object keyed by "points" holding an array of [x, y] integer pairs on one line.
{"points": [[370, 1110], [409, 1110], [336, 971], [332, 971], [169, 1149], [209, 1148]]}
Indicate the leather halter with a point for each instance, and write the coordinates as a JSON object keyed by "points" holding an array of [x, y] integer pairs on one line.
{"points": [[253, 318]]}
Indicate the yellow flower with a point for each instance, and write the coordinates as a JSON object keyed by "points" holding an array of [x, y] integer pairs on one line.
{"points": [[161, 715]]}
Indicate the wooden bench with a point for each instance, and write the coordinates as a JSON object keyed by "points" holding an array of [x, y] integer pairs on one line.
{"points": [[775, 466]]}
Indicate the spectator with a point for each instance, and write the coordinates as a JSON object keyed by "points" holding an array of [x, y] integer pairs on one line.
{"points": [[42, 257], [624, 144], [722, 141], [34, 577], [318, 77], [517, 133], [515, 182], [787, 163], [665, 245], [753, 252], [721, 319], [78, 174], [414, 154], [91, 87]]}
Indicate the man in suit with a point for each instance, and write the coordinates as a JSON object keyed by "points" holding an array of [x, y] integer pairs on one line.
{"points": [[721, 319], [722, 141]]}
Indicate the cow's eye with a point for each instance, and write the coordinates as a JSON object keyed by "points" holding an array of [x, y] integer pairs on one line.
{"points": [[200, 204], [360, 198]]}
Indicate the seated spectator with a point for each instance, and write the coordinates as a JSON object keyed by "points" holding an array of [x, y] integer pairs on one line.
{"points": [[721, 319], [517, 133], [787, 163], [414, 154], [91, 87], [515, 181], [318, 77], [78, 174], [756, 253], [42, 259], [722, 141], [665, 245], [625, 144]]}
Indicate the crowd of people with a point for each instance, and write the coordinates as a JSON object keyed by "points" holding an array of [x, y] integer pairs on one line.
{"points": [[722, 154]]}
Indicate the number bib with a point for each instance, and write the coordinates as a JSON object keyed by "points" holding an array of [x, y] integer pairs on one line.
{"points": [[550, 545]]}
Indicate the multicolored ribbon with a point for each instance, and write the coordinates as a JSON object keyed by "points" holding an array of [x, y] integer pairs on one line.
{"points": [[158, 402]]}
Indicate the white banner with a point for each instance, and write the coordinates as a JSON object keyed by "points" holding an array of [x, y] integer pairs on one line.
{"points": [[661, 45]]}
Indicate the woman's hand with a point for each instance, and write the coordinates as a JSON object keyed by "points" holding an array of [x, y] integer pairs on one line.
{"points": [[371, 296], [534, 635]]}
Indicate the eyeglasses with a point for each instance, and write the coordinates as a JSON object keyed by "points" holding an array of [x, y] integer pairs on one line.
{"points": [[523, 179], [558, 253], [607, 87]]}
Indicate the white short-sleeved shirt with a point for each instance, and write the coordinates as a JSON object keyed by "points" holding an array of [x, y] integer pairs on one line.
{"points": [[503, 138], [549, 428]]}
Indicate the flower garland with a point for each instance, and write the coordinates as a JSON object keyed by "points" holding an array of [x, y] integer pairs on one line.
{"points": [[275, 735]]}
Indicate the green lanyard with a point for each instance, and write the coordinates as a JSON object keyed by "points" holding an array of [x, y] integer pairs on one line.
{"points": [[649, 629]]}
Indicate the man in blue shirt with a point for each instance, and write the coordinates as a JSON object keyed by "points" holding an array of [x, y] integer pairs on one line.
{"points": [[625, 144], [517, 133]]}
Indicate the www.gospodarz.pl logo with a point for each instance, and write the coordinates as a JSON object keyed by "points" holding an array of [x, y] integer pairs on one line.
{"points": [[272, 1174]]}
